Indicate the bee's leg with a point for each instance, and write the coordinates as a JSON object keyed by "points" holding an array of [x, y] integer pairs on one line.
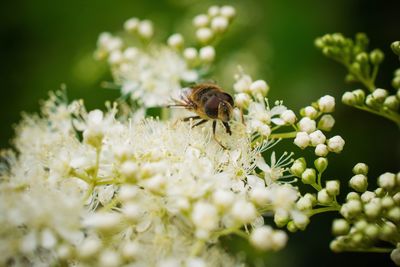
{"points": [[199, 123], [191, 118], [228, 129], [214, 127]]}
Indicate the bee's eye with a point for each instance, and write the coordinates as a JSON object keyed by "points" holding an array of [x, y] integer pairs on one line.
{"points": [[211, 107]]}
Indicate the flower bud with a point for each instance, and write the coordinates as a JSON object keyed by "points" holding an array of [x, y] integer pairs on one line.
{"points": [[394, 214], [242, 100], [387, 202], [259, 87], [321, 150], [304, 204], [302, 140], [388, 229], [312, 198], [307, 125], [362, 58], [207, 54], [321, 164], [308, 176], [396, 47], [335, 144], [372, 209], [349, 98], [333, 187], [109, 258], [310, 112], [360, 96], [395, 254], [360, 168], [292, 227], [323, 197], [351, 209], [131, 25], [213, 11], [190, 54], [340, 227], [288, 117], [145, 29], [326, 104], [352, 195], [387, 180], [228, 11], [176, 41], [367, 196], [326, 122], [379, 94], [300, 220], [391, 102], [219, 24], [298, 167], [359, 182], [376, 56], [261, 237], [201, 20], [372, 231], [317, 138], [396, 84], [204, 35], [281, 218]]}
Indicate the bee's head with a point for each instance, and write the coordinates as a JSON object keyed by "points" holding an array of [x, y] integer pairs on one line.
{"points": [[219, 107], [224, 111]]}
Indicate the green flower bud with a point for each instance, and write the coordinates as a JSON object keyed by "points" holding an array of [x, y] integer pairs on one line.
{"points": [[361, 39], [372, 231], [308, 176], [391, 102], [396, 47], [356, 239], [356, 67], [326, 122], [360, 225], [362, 58], [352, 196], [321, 164], [292, 227], [388, 229], [319, 43], [376, 56], [360, 168], [396, 82], [367, 196], [394, 214], [340, 227], [335, 246], [281, 218], [298, 167], [350, 78], [351, 209], [380, 192], [359, 183], [397, 72], [360, 96], [387, 202], [372, 102], [349, 98]]}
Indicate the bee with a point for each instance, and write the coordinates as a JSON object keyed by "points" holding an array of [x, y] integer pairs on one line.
{"points": [[209, 102]]}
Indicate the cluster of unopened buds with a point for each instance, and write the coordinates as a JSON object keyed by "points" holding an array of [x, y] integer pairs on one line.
{"points": [[371, 218], [363, 67]]}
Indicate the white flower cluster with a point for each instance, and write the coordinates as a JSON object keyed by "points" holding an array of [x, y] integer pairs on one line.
{"points": [[310, 132], [369, 216], [151, 73], [93, 189], [250, 98]]}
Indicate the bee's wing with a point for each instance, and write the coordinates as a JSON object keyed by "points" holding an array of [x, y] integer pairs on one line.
{"points": [[183, 99]]}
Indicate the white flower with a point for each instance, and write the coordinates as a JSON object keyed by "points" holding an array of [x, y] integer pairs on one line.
{"points": [[259, 87], [201, 20], [307, 125], [387, 180], [207, 54], [219, 24], [310, 112], [326, 104], [288, 116], [317, 138], [131, 25], [205, 216], [243, 211], [335, 144], [302, 140], [321, 150], [145, 29], [175, 41], [204, 34], [326, 122]]}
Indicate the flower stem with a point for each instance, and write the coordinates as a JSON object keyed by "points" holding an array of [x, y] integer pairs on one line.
{"points": [[325, 209]]}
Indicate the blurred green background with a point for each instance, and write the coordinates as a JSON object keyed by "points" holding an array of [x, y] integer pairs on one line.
{"points": [[48, 43]]}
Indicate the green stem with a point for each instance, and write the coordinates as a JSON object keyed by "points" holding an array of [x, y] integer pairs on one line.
{"points": [[283, 135], [316, 186], [325, 209], [197, 248], [391, 116], [164, 114], [373, 249]]}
